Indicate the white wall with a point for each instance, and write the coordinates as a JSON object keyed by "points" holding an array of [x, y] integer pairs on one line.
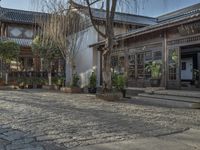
{"points": [[85, 56]]}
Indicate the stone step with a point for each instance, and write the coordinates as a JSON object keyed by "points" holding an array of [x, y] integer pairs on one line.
{"points": [[183, 93], [164, 102], [134, 91], [171, 97]]}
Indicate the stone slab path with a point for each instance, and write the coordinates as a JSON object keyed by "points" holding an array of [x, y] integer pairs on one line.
{"points": [[42, 120], [188, 140]]}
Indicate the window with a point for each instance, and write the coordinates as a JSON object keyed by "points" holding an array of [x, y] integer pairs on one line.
{"points": [[140, 65], [183, 65], [148, 56], [114, 61], [131, 67], [157, 55], [173, 64], [20, 32]]}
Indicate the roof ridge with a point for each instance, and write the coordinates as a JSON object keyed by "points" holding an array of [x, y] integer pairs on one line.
{"points": [[186, 9], [126, 13], [20, 10]]}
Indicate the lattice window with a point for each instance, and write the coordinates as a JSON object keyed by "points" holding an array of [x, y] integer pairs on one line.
{"points": [[157, 55], [173, 64], [114, 61], [148, 56], [121, 61], [140, 65], [131, 68]]}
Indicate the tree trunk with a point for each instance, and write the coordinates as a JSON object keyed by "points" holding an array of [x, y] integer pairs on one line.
{"points": [[49, 74], [6, 82], [49, 78], [106, 71], [67, 72]]}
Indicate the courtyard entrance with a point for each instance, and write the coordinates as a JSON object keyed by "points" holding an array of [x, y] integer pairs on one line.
{"points": [[190, 66]]}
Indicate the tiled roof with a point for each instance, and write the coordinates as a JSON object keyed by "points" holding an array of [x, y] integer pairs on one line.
{"points": [[125, 18], [100, 14], [22, 16], [20, 41], [165, 21], [19, 16], [180, 13]]}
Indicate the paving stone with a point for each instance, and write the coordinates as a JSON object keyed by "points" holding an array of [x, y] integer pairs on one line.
{"points": [[3, 143], [33, 119]]}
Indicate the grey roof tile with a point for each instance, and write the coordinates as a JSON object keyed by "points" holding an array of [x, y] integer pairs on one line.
{"points": [[19, 16], [125, 18], [20, 41], [164, 21], [180, 13]]}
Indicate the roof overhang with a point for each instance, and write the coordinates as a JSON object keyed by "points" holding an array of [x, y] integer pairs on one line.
{"points": [[152, 28]]}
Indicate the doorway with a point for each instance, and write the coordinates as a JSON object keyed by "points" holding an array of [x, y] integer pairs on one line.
{"points": [[190, 63]]}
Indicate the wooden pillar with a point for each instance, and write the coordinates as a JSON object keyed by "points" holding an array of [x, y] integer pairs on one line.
{"points": [[136, 66], [126, 62], [179, 68], [198, 59], [59, 66], [25, 63], [165, 64], [41, 64]]}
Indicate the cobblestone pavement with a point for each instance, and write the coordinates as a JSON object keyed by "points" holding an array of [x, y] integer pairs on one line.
{"points": [[39, 120]]}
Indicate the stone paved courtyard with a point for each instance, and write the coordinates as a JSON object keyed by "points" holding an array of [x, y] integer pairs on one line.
{"points": [[39, 120]]}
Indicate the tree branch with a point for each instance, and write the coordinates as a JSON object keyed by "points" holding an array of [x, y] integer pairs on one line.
{"points": [[93, 22]]}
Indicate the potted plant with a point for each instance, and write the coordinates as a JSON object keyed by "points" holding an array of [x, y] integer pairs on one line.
{"points": [[118, 82], [21, 83], [92, 83], [155, 69], [74, 87], [39, 82], [1, 82], [57, 82], [196, 73], [29, 83]]}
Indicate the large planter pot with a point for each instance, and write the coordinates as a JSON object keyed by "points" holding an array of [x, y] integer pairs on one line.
{"points": [[110, 96], [155, 82], [197, 84], [123, 93], [71, 90], [48, 87], [56, 87], [38, 86], [29, 86], [21, 86], [7, 87], [92, 90]]}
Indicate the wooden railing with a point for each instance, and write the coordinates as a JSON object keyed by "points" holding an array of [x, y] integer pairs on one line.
{"points": [[14, 75]]}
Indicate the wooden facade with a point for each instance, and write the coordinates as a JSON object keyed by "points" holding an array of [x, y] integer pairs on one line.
{"points": [[20, 26], [178, 36]]}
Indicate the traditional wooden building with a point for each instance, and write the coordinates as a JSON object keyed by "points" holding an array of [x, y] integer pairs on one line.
{"points": [[174, 40], [21, 27], [88, 59]]}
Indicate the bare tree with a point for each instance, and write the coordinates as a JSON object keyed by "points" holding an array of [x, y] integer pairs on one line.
{"points": [[108, 35], [63, 27]]}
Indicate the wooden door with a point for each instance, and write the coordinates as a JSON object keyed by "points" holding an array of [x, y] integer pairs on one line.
{"points": [[174, 69]]}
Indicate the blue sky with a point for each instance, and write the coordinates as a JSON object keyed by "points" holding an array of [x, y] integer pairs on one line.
{"points": [[149, 7]]}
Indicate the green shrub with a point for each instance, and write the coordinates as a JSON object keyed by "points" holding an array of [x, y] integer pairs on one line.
{"points": [[155, 69], [58, 81], [118, 82], [75, 80], [92, 80]]}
